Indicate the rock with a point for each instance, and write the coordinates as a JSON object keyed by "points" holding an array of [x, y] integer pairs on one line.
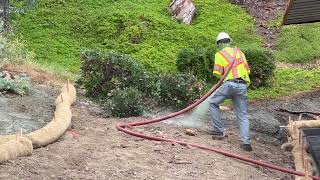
{"points": [[287, 146], [183, 10], [190, 132], [123, 146], [53, 176], [225, 108]]}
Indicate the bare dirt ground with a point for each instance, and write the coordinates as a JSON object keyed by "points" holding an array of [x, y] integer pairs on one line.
{"points": [[27, 113], [94, 149], [31, 112]]}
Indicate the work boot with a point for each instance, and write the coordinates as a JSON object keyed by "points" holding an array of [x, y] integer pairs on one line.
{"points": [[217, 135], [246, 147]]}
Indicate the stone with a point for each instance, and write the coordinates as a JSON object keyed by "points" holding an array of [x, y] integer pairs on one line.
{"points": [[183, 10], [190, 132], [225, 108]]}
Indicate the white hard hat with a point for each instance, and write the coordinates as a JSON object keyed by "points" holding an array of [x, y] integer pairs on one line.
{"points": [[221, 36]]}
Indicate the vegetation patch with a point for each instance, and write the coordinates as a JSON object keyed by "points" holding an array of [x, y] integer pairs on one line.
{"points": [[199, 62], [57, 31], [179, 90], [298, 43], [262, 67], [125, 103], [103, 72], [13, 51], [125, 87], [18, 84], [288, 82]]}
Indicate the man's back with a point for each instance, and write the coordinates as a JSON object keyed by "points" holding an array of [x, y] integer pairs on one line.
{"points": [[225, 58]]}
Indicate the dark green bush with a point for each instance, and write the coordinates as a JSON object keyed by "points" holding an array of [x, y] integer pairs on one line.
{"points": [[117, 81], [199, 62], [179, 90], [125, 87], [125, 103], [196, 61], [102, 72], [262, 67]]}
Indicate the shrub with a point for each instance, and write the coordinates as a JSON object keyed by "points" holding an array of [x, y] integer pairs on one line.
{"points": [[262, 67], [179, 90], [125, 103], [102, 72], [199, 62], [124, 86]]}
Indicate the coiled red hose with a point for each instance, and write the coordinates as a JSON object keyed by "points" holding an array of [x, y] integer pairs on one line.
{"points": [[122, 127]]}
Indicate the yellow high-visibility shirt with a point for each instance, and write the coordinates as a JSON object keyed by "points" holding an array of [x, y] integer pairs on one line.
{"points": [[225, 57]]}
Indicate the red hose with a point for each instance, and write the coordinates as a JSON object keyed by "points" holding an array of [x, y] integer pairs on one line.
{"points": [[122, 127]]}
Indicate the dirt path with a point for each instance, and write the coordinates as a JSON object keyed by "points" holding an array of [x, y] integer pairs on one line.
{"points": [[264, 11], [98, 151]]}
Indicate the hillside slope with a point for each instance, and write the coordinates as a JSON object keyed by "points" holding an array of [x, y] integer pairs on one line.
{"points": [[57, 31]]}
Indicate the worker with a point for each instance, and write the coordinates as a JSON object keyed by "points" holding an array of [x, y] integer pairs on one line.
{"points": [[234, 87]]}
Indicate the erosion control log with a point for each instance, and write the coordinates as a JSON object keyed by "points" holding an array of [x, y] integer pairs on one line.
{"points": [[296, 144], [12, 147], [61, 120]]}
